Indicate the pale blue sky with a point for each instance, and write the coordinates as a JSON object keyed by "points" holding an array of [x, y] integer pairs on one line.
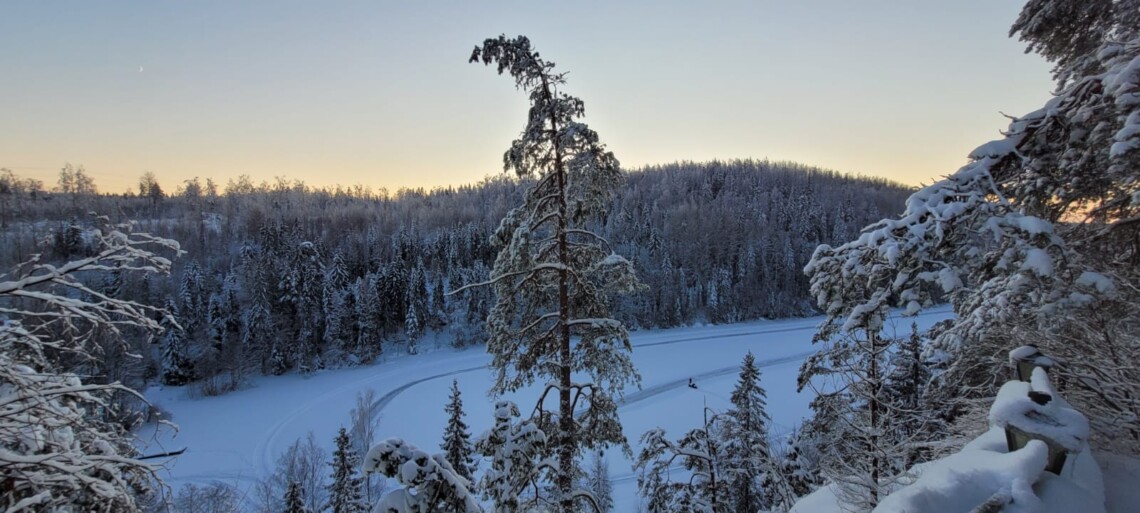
{"points": [[380, 93]]}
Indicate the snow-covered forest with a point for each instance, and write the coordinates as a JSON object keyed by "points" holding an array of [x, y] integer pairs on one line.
{"points": [[280, 277], [1024, 396]]}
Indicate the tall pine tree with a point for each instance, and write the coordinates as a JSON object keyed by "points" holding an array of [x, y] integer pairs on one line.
{"points": [[553, 276]]}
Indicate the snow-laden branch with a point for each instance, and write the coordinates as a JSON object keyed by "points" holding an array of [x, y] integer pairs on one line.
{"points": [[60, 450]]}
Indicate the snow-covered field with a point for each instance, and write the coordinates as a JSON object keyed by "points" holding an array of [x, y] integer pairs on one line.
{"points": [[237, 438]]}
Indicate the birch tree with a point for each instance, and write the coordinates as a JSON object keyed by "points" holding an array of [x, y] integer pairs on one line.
{"points": [[554, 276]]}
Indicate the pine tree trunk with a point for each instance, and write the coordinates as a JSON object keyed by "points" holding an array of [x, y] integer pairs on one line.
{"points": [[565, 411]]}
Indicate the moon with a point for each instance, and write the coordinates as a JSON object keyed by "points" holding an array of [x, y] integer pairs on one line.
{"points": [[140, 69]]}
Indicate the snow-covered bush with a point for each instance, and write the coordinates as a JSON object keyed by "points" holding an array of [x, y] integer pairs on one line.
{"points": [[430, 483], [516, 451]]}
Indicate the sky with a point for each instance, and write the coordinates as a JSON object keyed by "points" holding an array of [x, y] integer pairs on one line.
{"points": [[381, 94]]}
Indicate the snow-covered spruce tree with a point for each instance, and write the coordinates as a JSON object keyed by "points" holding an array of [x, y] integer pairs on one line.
{"points": [[456, 437], [515, 449], [701, 453], [744, 438], [295, 499], [1034, 239], [439, 316], [598, 482], [307, 277], [417, 315], [799, 469], [367, 314], [345, 490], [177, 369], [58, 450], [430, 483], [553, 276]]}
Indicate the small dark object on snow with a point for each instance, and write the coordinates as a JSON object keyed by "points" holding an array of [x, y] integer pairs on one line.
{"points": [[692, 385], [162, 455]]}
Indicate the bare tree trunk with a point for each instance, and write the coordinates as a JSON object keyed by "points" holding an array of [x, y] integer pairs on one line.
{"points": [[873, 377], [712, 463]]}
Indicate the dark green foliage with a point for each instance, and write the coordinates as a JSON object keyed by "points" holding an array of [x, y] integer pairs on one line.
{"points": [[177, 369], [345, 494], [456, 446], [744, 435], [294, 499]]}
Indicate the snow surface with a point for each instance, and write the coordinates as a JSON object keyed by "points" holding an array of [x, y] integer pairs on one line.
{"points": [[1121, 477], [985, 474], [965, 480], [236, 438]]}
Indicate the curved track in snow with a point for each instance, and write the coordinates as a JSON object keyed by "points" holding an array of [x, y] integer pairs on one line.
{"points": [[644, 393], [660, 388], [385, 399], [266, 456], [272, 440], [640, 395], [264, 452], [649, 392]]}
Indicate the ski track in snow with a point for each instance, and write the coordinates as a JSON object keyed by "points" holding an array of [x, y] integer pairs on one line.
{"points": [[268, 447], [268, 457], [647, 393], [264, 452], [640, 395], [644, 393], [384, 400], [812, 325]]}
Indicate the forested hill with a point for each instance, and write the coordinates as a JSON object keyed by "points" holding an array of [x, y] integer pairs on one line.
{"points": [[283, 276]]}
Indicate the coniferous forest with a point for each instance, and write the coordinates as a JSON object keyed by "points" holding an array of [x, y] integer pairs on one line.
{"points": [[282, 276]]}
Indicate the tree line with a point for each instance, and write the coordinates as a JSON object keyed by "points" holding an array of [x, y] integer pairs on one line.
{"points": [[283, 276]]}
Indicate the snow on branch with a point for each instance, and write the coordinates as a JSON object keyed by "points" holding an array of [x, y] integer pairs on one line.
{"points": [[60, 451], [429, 480]]}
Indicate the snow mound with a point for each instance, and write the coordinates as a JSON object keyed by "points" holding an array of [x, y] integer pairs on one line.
{"points": [[985, 477], [1012, 482], [1055, 420]]}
